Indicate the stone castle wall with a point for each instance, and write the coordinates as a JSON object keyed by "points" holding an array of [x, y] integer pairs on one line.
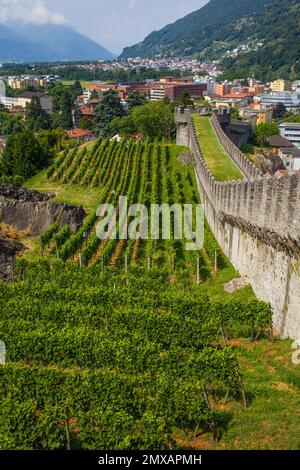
{"points": [[257, 224]]}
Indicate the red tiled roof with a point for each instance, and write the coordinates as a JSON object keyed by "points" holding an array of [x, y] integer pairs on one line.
{"points": [[87, 111], [77, 133], [237, 95]]}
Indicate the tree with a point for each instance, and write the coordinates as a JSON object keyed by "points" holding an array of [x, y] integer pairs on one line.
{"points": [[234, 113], [279, 111], [23, 155], [153, 120], [63, 105], [10, 123], [109, 108], [94, 95], [76, 89], [85, 123], [135, 99], [124, 126], [52, 140], [185, 99], [263, 131], [36, 118]]}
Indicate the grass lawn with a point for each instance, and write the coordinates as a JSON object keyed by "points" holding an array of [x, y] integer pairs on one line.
{"points": [[218, 161], [73, 195], [84, 83], [272, 384]]}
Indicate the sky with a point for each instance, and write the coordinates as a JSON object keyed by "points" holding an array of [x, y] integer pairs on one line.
{"points": [[115, 24]]}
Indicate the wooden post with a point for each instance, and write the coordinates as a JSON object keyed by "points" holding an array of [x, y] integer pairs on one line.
{"points": [[198, 271], [12, 270], [68, 431], [216, 261], [126, 264], [213, 426], [80, 260], [149, 264], [102, 263], [242, 387]]}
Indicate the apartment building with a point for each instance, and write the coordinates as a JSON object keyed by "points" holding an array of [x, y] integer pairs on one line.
{"points": [[290, 100], [291, 131], [158, 94], [281, 85], [222, 89], [195, 90]]}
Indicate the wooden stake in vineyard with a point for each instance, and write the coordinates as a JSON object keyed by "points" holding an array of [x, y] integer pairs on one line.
{"points": [[149, 264], [12, 270], [216, 261], [126, 264], [198, 271]]}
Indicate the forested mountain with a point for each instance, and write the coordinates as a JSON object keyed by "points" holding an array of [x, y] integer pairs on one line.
{"points": [[278, 30], [196, 31], [258, 37], [48, 42]]}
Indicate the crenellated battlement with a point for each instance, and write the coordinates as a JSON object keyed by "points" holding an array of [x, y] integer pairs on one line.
{"points": [[257, 224]]}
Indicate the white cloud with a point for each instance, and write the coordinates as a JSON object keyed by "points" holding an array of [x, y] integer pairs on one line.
{"points": [[132, 3], [28, 11]]}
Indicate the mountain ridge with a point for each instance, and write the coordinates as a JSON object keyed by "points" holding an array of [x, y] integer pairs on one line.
{"points": [[47, 43]]}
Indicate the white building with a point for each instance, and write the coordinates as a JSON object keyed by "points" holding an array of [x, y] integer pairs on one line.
{"points": [[26, 97], [210, 82], [291, 100], [291, 131], [290, 158], [9, 102]]}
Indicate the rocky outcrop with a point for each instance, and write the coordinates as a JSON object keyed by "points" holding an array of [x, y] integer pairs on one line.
{"points": [[8, 251], [29, 210]]}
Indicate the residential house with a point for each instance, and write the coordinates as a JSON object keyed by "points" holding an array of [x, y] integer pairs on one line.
{"points": [[45, 99], [81, 135], [277, 142], [290, 157], [256, 115]]}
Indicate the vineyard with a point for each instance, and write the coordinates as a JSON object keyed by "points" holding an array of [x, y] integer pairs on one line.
{"points": [[133, 344], [103, 360], [147, 173]]}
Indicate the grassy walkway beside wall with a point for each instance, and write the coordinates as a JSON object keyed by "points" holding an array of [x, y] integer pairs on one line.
{"points": [[218, 161]]}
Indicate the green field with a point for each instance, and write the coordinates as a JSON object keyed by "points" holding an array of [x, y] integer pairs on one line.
{"points": [[84, 83], [218, 161]]}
